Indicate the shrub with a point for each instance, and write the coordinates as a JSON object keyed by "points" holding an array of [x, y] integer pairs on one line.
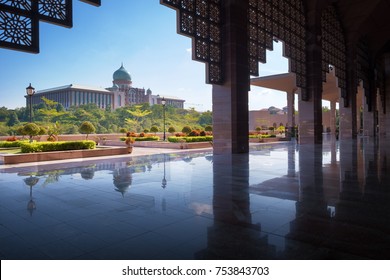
{"points": [[189, 139], [87, 128], [171, 129], [208, 128], [11, 139], [193, 133], [131, 134], [122, 130], [34, 147], [142, 134], [146, 138], [12, 144], [186, 130], [202, 133], [146, 130], [180, 134], [31, 129], [154, 129]]}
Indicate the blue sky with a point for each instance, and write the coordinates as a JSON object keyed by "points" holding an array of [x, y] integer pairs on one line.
{"points": [[139, 33]]}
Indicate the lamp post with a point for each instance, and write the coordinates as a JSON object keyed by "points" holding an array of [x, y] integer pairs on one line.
{"points": [[30, 92], [163, 104]]}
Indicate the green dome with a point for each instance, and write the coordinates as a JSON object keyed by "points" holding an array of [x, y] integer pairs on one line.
{"points": [[121, 74]]}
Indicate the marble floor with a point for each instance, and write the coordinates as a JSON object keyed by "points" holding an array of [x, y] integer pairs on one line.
{"points": [[280, 201]]}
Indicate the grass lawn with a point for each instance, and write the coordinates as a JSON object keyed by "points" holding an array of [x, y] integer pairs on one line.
{"points": [[10, 151]]}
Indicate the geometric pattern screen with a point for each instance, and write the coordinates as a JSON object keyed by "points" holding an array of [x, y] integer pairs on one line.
{"points": [[201, 21], [333, 49], [19, 20], [280, 20]]}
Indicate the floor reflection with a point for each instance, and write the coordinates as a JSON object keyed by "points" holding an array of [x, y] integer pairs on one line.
{"points": [[280, 201]]}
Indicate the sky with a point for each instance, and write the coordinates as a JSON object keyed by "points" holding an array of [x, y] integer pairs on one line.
{"points": [[142, 35]]}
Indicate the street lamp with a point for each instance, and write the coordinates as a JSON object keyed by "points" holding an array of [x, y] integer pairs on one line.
{"points": [[163, 104], [30, 92]]}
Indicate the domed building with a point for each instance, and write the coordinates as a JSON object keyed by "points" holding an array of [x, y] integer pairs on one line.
{"points": [[122, 79], [120, 94], [122, 83]]}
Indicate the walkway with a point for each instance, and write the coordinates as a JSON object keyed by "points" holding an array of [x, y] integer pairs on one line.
{"points": [[281, 201]]}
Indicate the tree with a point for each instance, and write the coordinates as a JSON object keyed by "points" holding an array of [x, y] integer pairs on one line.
{"points": [[206, 118], [137, 113], [171, 129], [53, 131], [31, 129], [87, 128], [186, 129], [154, 129], [13, 119]]}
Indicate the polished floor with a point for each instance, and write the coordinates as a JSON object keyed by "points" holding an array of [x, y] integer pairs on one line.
{"points": [[280, 201]]}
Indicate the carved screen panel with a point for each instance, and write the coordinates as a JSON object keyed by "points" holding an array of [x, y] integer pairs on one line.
{"points": [[19, 20], [363, 68], [333, 48], [278, 19], [201, 21]]}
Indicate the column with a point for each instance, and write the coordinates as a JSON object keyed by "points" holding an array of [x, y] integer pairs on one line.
{"points": [[310, 104], [291, 114], [345, 121], [230, 100], [368, 119], [333, 118], [387, 96]]}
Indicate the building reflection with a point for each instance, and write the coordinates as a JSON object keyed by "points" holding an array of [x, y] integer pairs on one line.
{"points": [[122, 178], [233, 235], [341, 206]]}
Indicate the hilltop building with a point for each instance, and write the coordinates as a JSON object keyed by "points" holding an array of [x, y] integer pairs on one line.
{"points": [[120, 94]]}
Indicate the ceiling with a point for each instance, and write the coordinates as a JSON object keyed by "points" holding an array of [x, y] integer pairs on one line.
{"points": [[367, 19]]}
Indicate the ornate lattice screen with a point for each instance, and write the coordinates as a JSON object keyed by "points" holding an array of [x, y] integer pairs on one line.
{"points": [[363, 67], [333, 48], [278, 19], [201, 21], [19, 20]]}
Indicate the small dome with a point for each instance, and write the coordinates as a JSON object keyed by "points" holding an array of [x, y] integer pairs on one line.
{"points": [[149, 91], [121, 74], [115, 86]]}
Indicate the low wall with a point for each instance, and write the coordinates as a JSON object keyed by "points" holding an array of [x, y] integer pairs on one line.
{"points": [[161, 144], [60, 155]]}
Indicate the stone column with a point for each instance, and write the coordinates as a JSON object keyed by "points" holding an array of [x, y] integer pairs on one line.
{"points": [[381, 117], [387, 97], [291, 113], [333, 118], [230, 100], [310, 104], [306, 121], [368, 120], [359, 106], [345, 121]]}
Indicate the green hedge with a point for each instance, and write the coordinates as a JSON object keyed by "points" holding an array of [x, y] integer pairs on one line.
{"points": [[34, 147], [262, 136], [147, 138], [189, 139], [12, 144]]}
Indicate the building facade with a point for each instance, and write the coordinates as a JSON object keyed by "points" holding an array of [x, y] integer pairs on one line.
{"points": [[120, 94]]}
